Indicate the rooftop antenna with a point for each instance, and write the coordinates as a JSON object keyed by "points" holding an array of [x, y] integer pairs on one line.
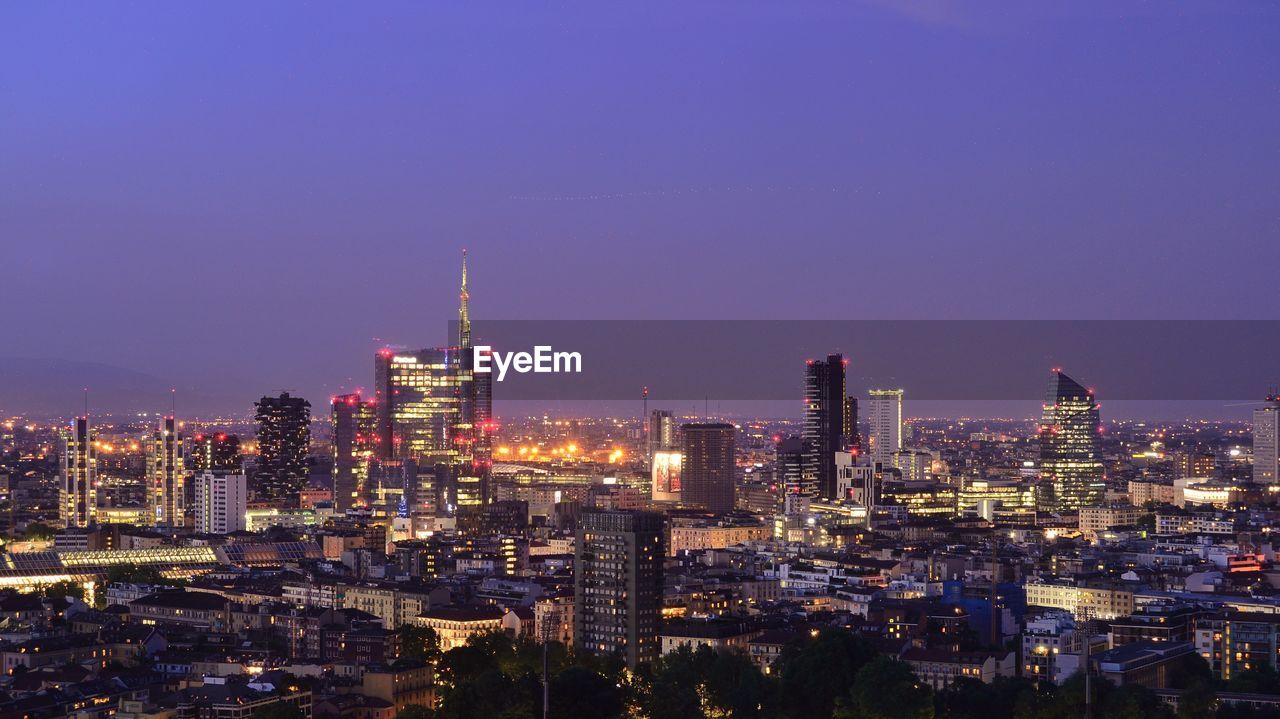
{"points": [[86, 402]]}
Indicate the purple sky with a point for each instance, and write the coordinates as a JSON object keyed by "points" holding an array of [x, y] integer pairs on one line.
{"points": [[239, 197]]}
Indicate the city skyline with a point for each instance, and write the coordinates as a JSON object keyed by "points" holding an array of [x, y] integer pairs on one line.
{"points": [[1092, 131]]}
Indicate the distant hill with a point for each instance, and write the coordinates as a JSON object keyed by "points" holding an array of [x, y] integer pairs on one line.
{"points": [[55, 388]]}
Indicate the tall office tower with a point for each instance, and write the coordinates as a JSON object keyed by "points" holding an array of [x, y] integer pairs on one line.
{"points": [[789, 467], [824, 431], [78, 494], [1071, 470], [885, 424], [284, 437], [852, 437], [617, 583], [166, 475], [473, 426], [353, 427], [214, 451], [707, 466], [660, 434], [1266, 441], [220, 502], [432, 407]]}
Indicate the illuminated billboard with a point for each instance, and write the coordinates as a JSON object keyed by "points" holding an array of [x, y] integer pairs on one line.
{"points": [[666, 476]]}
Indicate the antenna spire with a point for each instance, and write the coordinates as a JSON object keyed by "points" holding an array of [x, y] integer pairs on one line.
{"points": [[464, 316]]}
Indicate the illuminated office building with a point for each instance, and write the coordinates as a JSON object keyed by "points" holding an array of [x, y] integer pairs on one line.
{"points": [[284, 438], [221, 501], [824, 423], [885, 423], [353, 432], [1071, 471], [77, 496], [1266, 441], [166, 475], [707, 466], [433, 408]]}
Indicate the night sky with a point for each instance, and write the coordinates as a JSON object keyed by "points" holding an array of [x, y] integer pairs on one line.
{"points": [[241, 197]]}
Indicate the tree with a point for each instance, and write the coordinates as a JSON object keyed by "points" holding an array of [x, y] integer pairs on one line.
{"points": [[886, 689], [1261, 679], [64, 588], [813, 672], [39, 531], [579, 693], [422, 643], [415, 711]]}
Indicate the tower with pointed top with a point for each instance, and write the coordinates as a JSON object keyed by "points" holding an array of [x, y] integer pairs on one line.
{"points": [[1071, 470], [464, 315]]}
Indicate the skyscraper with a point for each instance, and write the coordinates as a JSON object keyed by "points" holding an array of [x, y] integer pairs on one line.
{"points": [[617, 583], [789, 454], [220, 502], [433, 408], [1071, 470], [707, 466], [824, 428], [284, 437], [852, 437], [1266, 441], [77, 496], [218, 450], [353, 431], [885, 423], [660, 434], [166, 475]]}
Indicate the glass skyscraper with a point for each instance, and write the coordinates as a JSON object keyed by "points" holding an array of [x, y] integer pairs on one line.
{"points": [[1071, 470]]}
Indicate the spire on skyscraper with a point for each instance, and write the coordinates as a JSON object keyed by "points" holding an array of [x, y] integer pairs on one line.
{"points": [[464, 317]]}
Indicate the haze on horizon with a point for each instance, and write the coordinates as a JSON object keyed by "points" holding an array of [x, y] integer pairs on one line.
{"points": [[236, 200]]}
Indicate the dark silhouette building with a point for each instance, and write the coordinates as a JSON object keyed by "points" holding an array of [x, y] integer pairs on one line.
{"points": [[825, 408], [617, 583], [284, 438], [707, 471], [353, 433]]}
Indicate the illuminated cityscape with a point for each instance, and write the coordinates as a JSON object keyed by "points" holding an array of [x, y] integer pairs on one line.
{"points": [[708, 349]]}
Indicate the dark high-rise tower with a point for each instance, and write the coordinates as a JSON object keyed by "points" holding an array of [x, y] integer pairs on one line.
{"points": [[353, 425], [708, 466], [852, 437], [1071, 470], [284, 437], [617, 583], [789, 462], [824, 427], [214, 451]]}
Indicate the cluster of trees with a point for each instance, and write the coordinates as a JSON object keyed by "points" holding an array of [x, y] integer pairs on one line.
{"points": [[833, 674]]}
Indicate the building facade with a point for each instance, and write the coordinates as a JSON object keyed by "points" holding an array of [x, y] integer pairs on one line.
{"points": [[618, 572]]}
